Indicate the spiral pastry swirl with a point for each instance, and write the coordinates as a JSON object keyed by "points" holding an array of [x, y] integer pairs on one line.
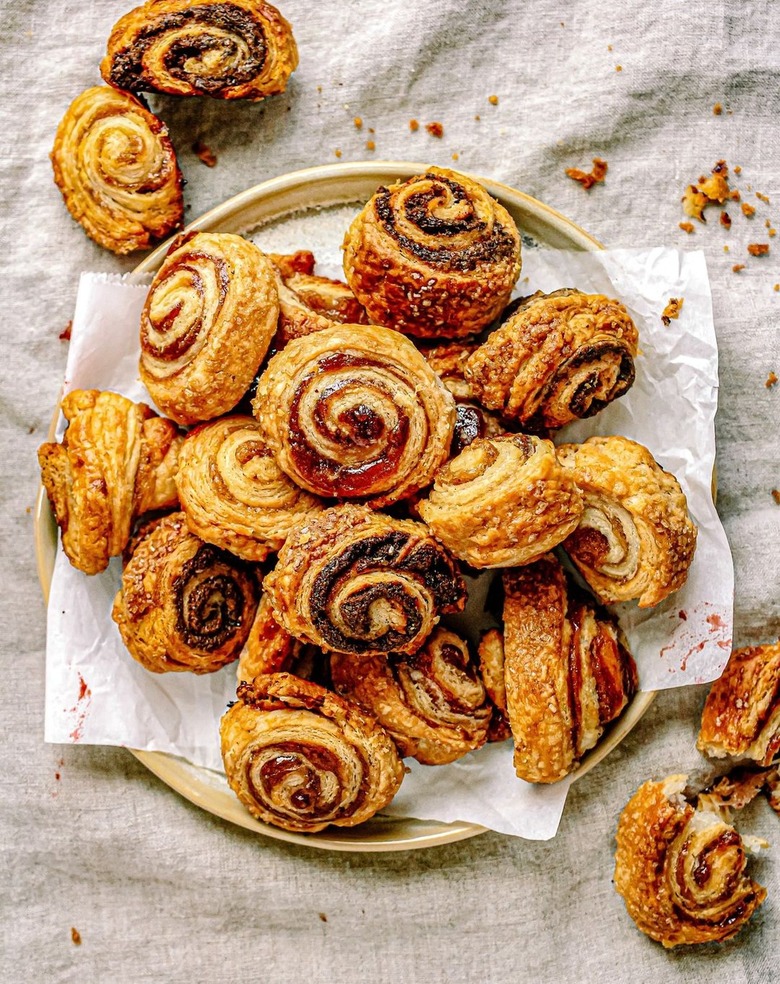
{"points": [[503, 502], [353, 581], [308, 304], [681, 871], [432, 702], [116, 461], [206, 325], [232, 491], [356, 412], [434, 256], [741, 716], [228, 49], [567, 672], [300, 757], [635, 538], [116, 169], [559, 357], [184, 604]]}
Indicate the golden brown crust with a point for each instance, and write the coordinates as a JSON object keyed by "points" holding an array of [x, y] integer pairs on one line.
{"points": [[300, 757], [741, 716], [434, 256], [116, 461], [206, 325], [301, 261], [308, 304], [503, 502], [184, 604], [117, 170], [232, 491], [681, 871], [560, 356], [566, 670], [635, 538], [432, 703], [491, 668], [227, 49], [269, 648], [356, 412], [354, 581]]}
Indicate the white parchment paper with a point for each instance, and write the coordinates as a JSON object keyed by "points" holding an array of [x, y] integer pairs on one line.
{"points": [[96, 693]]}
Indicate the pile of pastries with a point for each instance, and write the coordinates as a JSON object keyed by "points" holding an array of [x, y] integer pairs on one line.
{"points": [[333, 459]]}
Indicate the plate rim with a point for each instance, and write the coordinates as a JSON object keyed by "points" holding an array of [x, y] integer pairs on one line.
{"points": [[169, 768]]}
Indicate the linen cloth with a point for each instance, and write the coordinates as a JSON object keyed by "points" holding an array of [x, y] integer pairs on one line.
{"points": [[160, 890]]}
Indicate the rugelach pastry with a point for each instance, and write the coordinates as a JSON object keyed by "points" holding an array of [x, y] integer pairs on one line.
{"points": [[434, 256], [354, 581], [503, 501], [559, 357], [741, 717], [208, 320], [116, 461], [116, 168], [567, 671], [432, 702], [233, 493], [681, 871], [228, 49], [301, 758], [184, 604], [491, 669], [308, 304], [635, 538], [269, 648], [356, 412]]}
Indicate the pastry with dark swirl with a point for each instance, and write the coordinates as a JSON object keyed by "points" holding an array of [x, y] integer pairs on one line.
{"points": [[503, 502], [308, 303], [301, 758], [567, 671], [681, 871], [116, 461], [635, 538], [354, 581], [434, 256], [432, 702], [356, 412], [116, 168], [184, 604], [206, 325], [741, 716], [227, 49], [559, 357], [233, 493]]}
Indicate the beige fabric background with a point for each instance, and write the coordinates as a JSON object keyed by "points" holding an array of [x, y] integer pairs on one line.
{"points": [[161, 891]]}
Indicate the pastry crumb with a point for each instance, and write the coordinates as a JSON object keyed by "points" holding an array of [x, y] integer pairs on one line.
{"points": [[456, 156], [618, 68], [776, 288], [725, 249], [725, 220], [686, 227], [758, 249], [672, 309], [771, 232], [370, 145], [414, 125], [763, 198], [694, 203], [477, 117], [737, 267], [771, 380], [717, 109], [337, 152], [737, 169], [358, 121], [75, 936], [435, 129], [323, 917], [748, 209], [776, 495], [65, 333], [204, 153], [588, 178], [493, 100], [609, 47]]}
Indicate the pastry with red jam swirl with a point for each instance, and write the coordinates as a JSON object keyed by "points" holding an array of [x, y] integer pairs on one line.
{"points": [[567, 671], [116, 461], [184, 604], [681, 870], [206, 325], [559, 357], [227, 49], [355, 412], [502, 502], [432, 702], [116, 168], [233, 493], [434, 256], [354, 581], [300, 757], [741, 716], [635, 539]]}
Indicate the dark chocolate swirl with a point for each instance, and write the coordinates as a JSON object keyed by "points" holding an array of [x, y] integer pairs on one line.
{"points": [[353, 581], [228, 50], [301, 758]]}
